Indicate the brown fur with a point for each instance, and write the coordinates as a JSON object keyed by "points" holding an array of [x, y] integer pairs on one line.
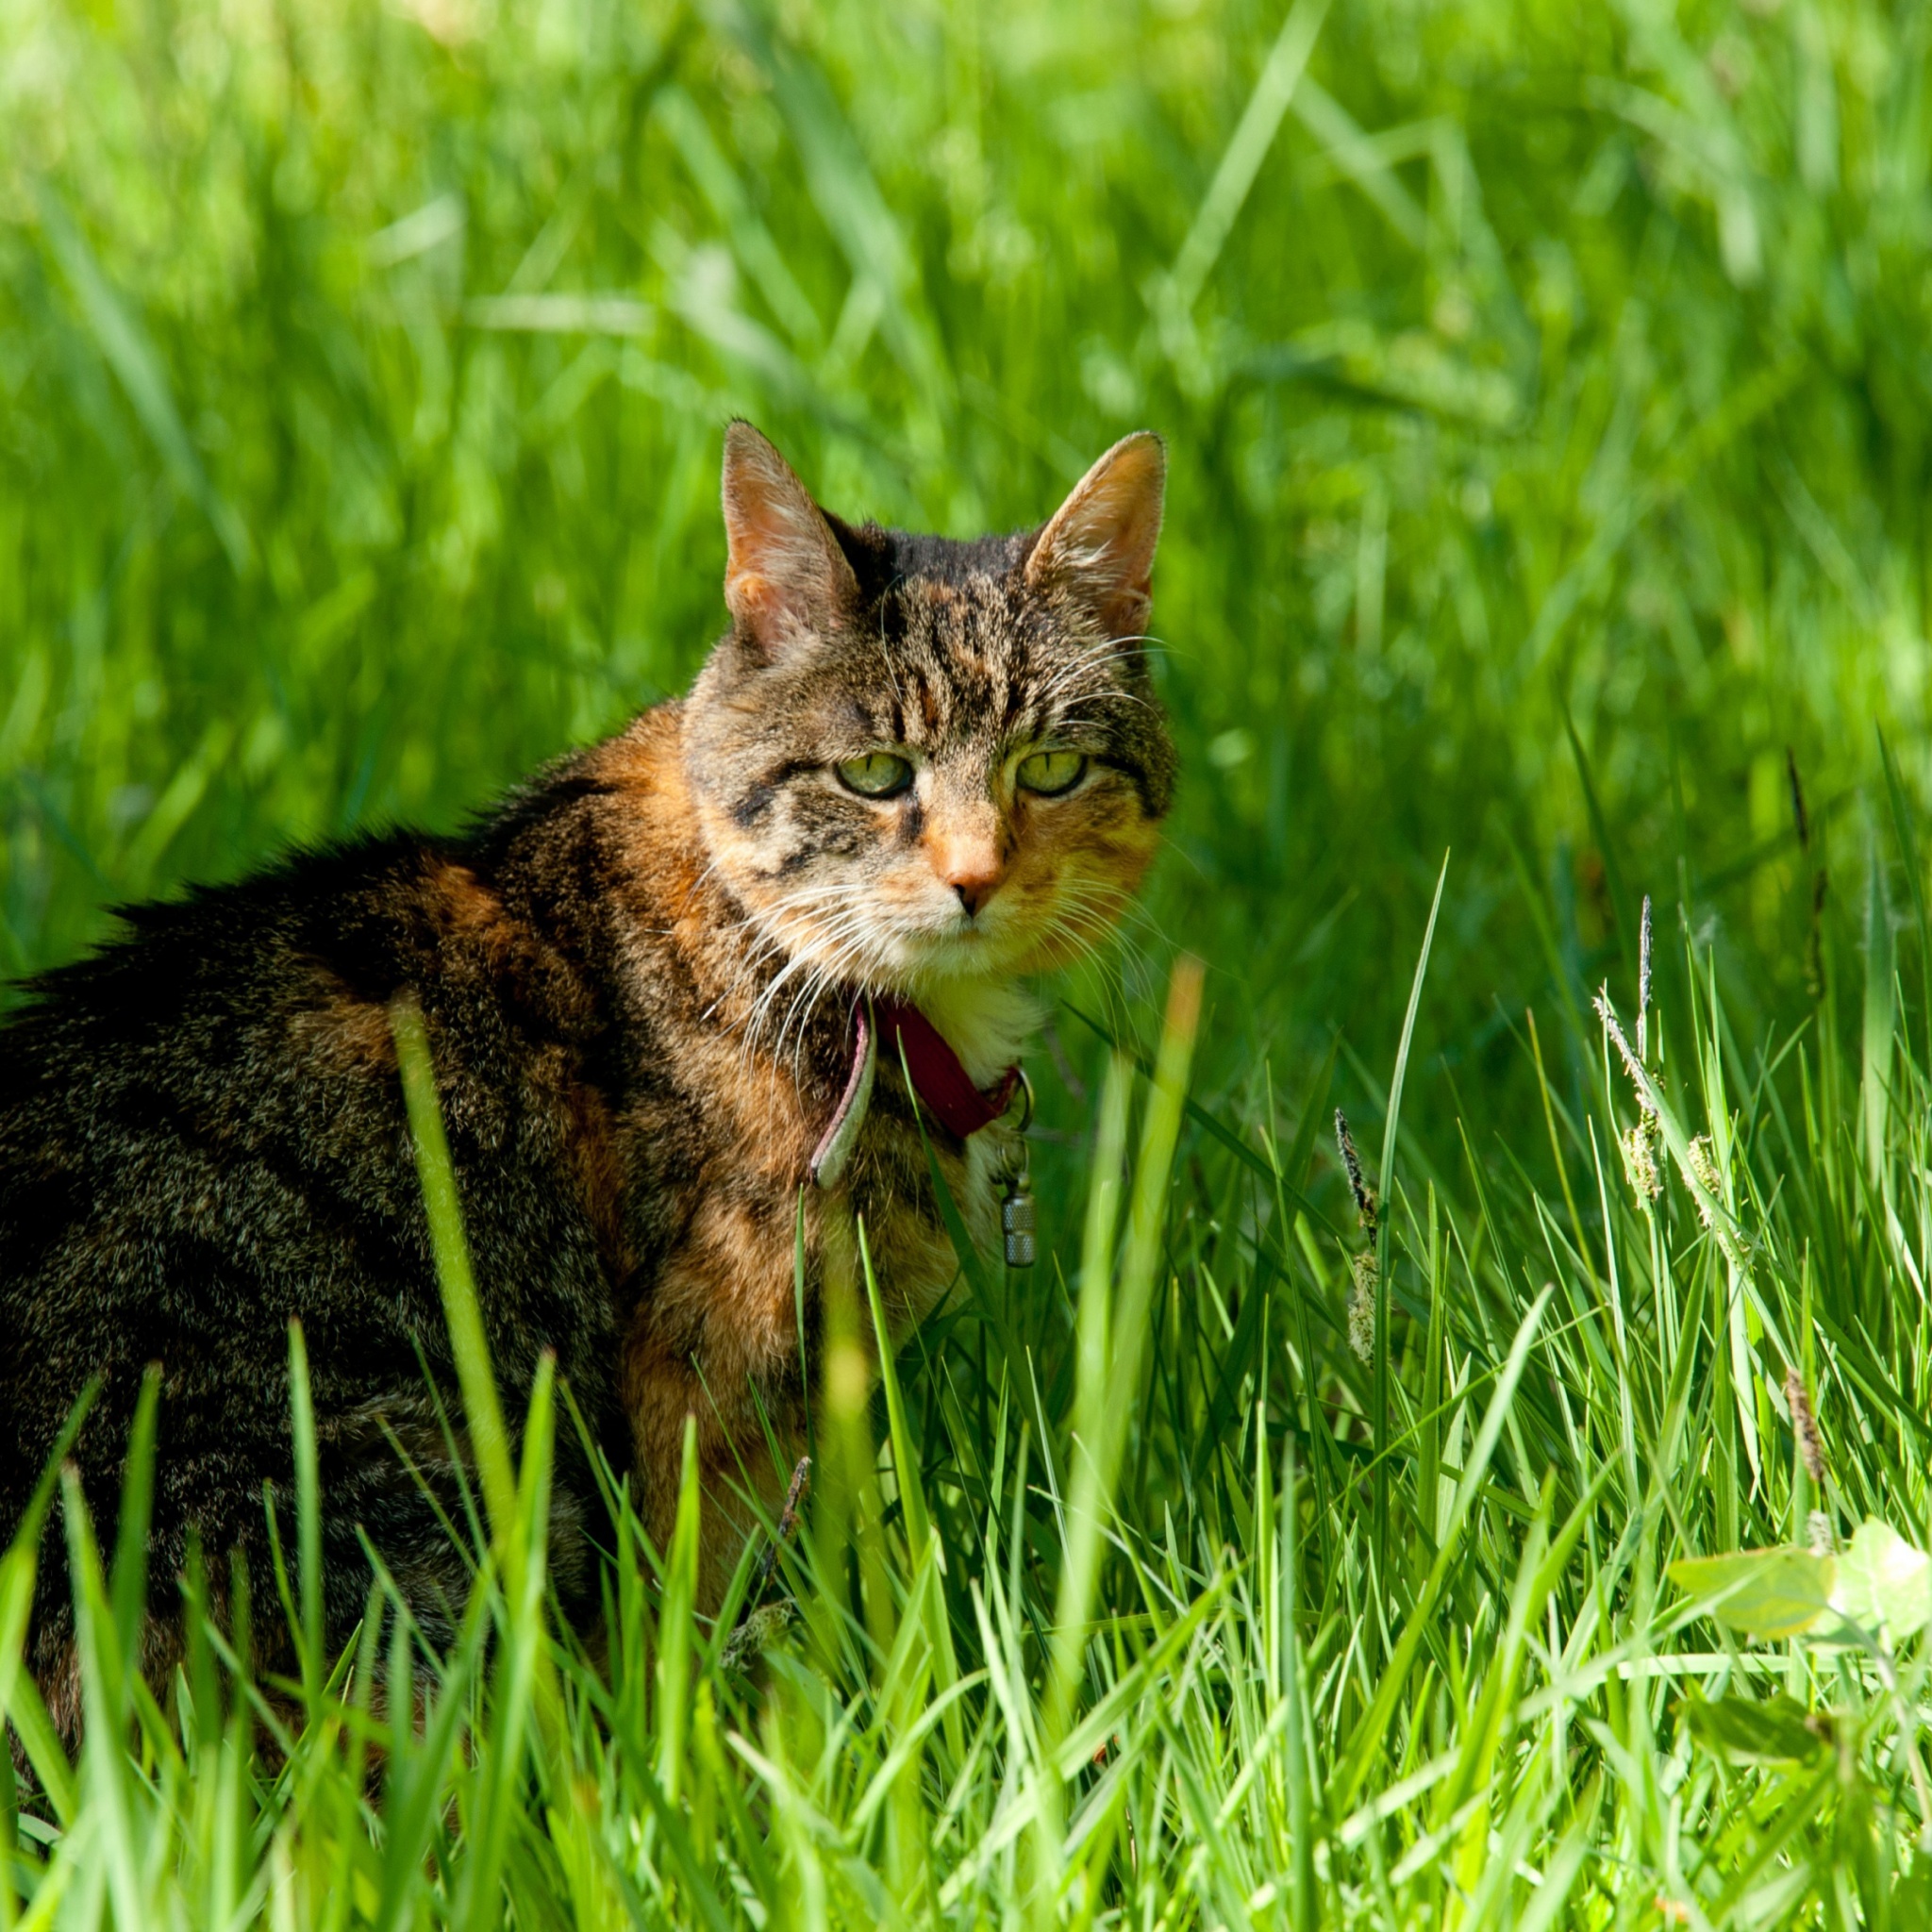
{"points": [[638, 979]]}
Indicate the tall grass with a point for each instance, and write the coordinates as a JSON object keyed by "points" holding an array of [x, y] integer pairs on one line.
{"points": [[1096, 1626], [1547, 401]]}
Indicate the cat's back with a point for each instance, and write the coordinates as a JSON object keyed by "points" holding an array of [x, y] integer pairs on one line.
{"points": [[219, 1027], [202, 1134]]}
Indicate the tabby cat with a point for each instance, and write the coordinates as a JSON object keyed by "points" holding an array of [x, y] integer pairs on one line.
{"points": [[657, 985]]}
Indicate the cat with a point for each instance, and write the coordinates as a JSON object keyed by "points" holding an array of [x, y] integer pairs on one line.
{"points": [[912, 769]]}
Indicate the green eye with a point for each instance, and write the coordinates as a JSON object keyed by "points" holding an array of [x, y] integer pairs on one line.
{"points": [[878, 775], [1050, 773]]}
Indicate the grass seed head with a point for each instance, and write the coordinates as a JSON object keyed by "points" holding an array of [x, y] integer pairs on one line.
{"points": [[1643, 983], [1352, 1164], [1640, 1160], [1705, 1168], [1613, 1026], [755, 1632], [1362, 1305], [1805, 1425]]}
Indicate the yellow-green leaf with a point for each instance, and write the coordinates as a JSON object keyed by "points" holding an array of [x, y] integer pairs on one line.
{"points": [[1762, 1593]]}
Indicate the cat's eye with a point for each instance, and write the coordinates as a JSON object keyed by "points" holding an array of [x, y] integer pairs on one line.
{"points": [[1050, 773], [878, 775]]}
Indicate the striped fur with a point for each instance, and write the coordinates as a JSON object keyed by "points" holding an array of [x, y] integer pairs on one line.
{"points": [[637, 976]]}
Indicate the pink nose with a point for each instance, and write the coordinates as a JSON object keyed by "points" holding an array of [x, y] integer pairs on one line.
{"points": [[974, 872], [975, 892]]}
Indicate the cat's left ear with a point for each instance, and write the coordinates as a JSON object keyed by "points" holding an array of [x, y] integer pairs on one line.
{"points": [[785, 574], [1099, 547]]}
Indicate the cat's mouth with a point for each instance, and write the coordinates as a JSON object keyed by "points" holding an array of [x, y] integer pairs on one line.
{"points": [[898, 937], [968, 948], [901, 956], [1030, 932], [972, 951]]}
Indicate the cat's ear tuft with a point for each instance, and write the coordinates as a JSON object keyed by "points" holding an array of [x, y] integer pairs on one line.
{"points": [[1099, 547], [784, 575]]}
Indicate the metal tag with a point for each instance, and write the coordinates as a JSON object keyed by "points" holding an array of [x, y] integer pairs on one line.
{"points": [[1017, 1222]]}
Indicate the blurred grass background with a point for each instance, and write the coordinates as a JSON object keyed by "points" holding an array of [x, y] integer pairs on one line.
{"points": [[1547, 392], [1526, 368]]}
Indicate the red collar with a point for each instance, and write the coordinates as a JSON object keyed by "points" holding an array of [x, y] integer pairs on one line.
{"points": [[943, 1086]]}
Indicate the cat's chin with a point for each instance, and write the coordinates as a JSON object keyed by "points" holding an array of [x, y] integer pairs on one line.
{"points": [[927, 967], [958, 959]]}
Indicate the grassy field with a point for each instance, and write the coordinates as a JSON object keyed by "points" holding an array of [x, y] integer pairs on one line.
{"points": [[1550, 413]]}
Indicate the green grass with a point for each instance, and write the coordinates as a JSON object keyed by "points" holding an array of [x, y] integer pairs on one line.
{"points": [[1550, 423]]}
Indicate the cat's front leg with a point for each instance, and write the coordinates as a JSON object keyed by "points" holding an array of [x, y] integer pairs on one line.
{"points": [[716, 1338]]}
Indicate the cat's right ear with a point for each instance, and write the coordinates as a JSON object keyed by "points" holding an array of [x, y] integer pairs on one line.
{"points": [[1098, 547], [784, 575]]}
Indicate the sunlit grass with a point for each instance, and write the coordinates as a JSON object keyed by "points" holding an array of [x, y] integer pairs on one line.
{"points": [[1066, 1656], [1546, 401]]}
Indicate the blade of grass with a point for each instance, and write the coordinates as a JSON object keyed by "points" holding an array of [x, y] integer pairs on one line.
{"points": [[1384, 1255], [482, 1407]]}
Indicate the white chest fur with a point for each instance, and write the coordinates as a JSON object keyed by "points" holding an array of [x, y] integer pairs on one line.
{"points": [[985, 1022]]}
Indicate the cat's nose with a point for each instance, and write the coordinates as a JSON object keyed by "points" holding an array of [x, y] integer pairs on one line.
{"points": [[965, 848], [973, 894], [974, 872]]}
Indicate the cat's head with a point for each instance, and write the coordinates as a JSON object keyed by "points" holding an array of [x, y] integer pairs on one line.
{"points": [[917, 760]]}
